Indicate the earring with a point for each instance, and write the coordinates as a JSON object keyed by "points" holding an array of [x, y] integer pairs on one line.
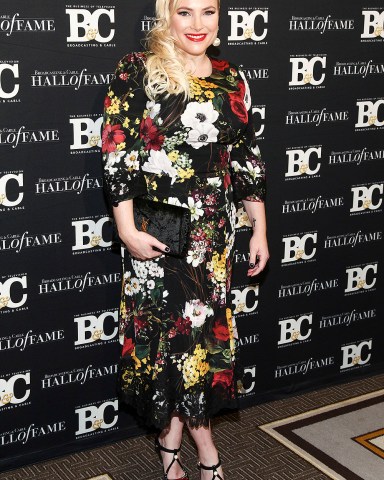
{"points": [[216, 42]]}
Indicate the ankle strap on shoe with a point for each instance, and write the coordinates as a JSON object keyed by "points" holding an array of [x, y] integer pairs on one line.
{"points": [[214, 468], [175, 458]]}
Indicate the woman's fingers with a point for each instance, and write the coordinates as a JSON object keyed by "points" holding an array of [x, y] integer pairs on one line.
{"points": [[146, 247]]}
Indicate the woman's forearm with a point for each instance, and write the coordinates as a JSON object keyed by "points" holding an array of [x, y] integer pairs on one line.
{"points": [[256, 215], [123, 214]]}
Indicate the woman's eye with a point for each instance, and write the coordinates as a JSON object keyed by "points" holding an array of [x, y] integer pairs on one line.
{"points": [[183, 13], [210, 12]]}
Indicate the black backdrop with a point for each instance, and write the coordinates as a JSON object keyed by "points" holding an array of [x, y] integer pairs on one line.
{"points": [[316, 73]]}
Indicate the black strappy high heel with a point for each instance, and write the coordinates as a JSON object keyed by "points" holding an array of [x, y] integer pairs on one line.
{"points": [[175, 458], [215, 473]]}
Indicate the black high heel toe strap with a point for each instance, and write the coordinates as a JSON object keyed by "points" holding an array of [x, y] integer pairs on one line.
{"points": [[215, 473], [175, 458]]}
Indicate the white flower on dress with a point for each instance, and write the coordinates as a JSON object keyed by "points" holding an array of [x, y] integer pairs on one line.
{"points": [[197, 113], [195, 257], [113, 158], [256, 151], [159, 163], [214, 181], [203, 134], [140, 269], [200, 118], [174, 201], [151, 284], [253, 171], [153, 109], [132, 285], [132, 160], [197, 312], [195, 208]]}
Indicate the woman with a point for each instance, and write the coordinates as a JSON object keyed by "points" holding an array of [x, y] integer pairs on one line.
{"points": [[181, 120]]}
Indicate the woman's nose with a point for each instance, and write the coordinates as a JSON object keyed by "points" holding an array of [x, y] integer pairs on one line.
{"points": [[197, 23]]}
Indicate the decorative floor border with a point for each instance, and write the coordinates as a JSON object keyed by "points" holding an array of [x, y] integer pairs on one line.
{"points": [[282, 431]]}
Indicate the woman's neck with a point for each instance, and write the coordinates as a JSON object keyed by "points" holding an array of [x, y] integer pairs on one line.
{"points": [[198, 66]]}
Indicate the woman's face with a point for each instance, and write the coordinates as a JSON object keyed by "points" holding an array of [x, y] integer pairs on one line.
{"points": [[194, 25]]}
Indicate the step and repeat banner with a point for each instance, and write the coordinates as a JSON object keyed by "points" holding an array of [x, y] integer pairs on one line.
{"points": [[316, 72]]}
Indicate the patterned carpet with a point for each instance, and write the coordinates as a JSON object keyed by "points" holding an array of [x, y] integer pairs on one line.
{"points": [[247, 452]]}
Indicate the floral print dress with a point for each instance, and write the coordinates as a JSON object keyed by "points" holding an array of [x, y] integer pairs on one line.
{"points": [[178, 335]]}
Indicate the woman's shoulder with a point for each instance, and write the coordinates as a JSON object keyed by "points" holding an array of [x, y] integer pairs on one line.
{"points": [[133, 61]]}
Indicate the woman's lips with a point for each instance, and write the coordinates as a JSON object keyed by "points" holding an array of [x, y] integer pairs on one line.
{"points": [[196, 37]]}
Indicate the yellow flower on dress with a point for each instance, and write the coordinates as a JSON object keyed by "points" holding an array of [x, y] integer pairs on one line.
{"points": [[218, 266], [209, 94], [114, 108], [174, 155], [195, 366], [126, 122], [230, 329], [137, 360], [185, 173], [121, 146]]}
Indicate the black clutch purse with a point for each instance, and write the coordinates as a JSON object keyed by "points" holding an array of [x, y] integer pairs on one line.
{"points": [[170, 224]]}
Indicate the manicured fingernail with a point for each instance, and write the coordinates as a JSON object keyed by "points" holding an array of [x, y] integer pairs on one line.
{"points": [[167, 249], [251, 265]]}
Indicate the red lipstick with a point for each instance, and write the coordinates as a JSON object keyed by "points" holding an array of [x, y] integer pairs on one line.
{"points": [[196, 37]]}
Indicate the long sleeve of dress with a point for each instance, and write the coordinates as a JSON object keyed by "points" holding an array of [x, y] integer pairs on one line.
{"points": [[247, 167], [124, 106]]}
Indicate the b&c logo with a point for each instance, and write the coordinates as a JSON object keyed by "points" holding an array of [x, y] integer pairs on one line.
{"points": [[373, 24], [95, 417], [299, 247], [86, 133], [367, 197], [293, 329], [303, 162], [370, 114], [92, 328], [5, 197], [10, 292], [244, 25], [249, 380], [85, 25], [90, 234], [246, 300], [258, 113], [9, 88], [361, 278], [354, 355], [307, 71], [14, 389]]}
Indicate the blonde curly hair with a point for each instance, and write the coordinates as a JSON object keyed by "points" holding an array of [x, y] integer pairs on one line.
{"points": [[165, 68]]}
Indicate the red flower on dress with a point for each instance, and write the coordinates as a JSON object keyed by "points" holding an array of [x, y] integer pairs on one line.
{"points": [[107, 102], [150, 134], [219, 64], [227, 180], [128, 346], [183, 325], [236, 100], [221, 331], [223, 378], [112, 136]]}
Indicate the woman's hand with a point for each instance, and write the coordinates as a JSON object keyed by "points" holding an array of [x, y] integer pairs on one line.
{"points": [[259, 254], [141, 245]]}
